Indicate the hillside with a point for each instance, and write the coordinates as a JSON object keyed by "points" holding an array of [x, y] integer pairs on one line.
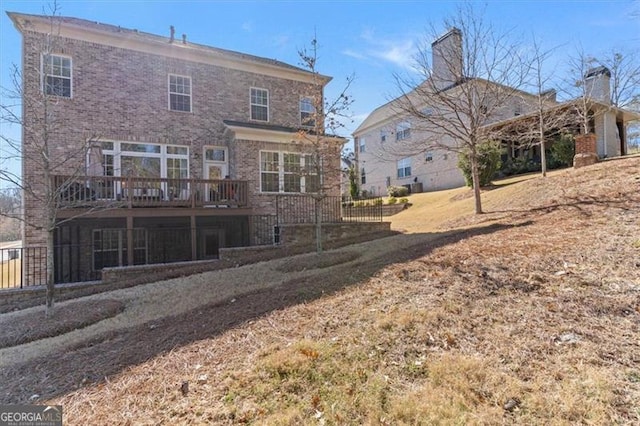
{"points": [[529, 314]]}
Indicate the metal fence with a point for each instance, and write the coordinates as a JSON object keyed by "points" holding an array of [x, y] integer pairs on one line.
{"points": [[298, 209], [22, 267], [362, 210]]}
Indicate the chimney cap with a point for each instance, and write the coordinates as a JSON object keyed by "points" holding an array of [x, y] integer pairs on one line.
{"points": [[594, 72], [452, 31]]}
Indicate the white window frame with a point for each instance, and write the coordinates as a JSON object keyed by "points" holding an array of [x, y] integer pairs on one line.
{"points": [[428, 156], [44, 73], [402, 166], [252, 104], [215, 148], [189, 95], [307, 101], [362, 144], [403, 130], [304, 158], [116, 153]]}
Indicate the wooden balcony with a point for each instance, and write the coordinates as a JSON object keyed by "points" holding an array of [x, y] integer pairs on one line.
{"points": [[137, 192]]}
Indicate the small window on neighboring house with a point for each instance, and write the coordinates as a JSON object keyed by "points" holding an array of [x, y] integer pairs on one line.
{"points": [[362, 143], [427, 111], [404, 167], [403, 130], [259, 104], [383, 136], [57, 75], [179, 93], [307, 112], [428, 157], [388, 181], [363, 176], [517, 111], [445, 156]]}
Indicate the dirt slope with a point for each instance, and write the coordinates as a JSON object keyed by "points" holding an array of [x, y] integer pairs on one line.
{"points": [[529, 314]]}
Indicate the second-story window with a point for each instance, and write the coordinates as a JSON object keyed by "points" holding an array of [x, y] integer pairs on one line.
{"points": [[362, 144], [179, 93], [307, 112], [403, 130], [259, 104], [57, 75]]}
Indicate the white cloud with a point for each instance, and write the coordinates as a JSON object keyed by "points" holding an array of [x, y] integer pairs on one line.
{"points": [[399, 52]]}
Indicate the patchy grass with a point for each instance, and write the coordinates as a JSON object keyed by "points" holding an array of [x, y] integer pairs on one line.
{"points": [[24, 327], [530, 316]]}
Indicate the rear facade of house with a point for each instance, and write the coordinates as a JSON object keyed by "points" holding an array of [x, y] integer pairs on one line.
{"points": [[165, 150]]}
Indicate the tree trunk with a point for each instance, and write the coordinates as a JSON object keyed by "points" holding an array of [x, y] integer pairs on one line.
{"points": [[50, 275], [318, 225], [475, 177], [543, 154]]}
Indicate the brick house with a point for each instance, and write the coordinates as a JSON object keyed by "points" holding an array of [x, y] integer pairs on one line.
{"points": [[166, 150]]}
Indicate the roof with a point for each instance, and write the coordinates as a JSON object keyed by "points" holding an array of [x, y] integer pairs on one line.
{"points": [[255, 128], [625, 114], [387, 112], [29, 22]]}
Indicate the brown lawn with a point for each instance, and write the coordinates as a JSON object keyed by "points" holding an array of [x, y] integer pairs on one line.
{"points": [[529, 314]]}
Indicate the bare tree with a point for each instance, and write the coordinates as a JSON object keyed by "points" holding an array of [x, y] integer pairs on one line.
{"points": [[54, 176], [472, 80], [320, 126]]}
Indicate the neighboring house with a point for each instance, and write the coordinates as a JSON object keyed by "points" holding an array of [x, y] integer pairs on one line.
{"points": [[188, 145], [379, 140]]}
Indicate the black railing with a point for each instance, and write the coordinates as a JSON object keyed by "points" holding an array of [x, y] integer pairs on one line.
{"points": [[300, 208], [22, 267], [362, 210]]}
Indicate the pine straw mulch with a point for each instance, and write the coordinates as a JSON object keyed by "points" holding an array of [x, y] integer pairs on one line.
{"points": [[534, 319], [26, 326]]}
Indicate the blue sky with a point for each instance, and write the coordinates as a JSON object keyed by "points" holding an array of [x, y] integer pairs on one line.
{"points": [[371, 39]]}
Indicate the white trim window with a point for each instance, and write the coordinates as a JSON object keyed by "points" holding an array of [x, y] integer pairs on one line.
{"points": [[179, 93], [288, 172], [57, 75], [307, 112], [145, 160], [403, 130], [259, 102], [361, 144], [404, 167]]}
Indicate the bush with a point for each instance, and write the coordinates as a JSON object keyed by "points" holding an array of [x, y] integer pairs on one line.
{"points": [[397, 191], [377, 202], [488, 163], [563, 150], [392, 200], [403, 200]]}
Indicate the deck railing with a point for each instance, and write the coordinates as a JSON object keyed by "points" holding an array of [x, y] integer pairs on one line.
{"points": [[128, 191]]}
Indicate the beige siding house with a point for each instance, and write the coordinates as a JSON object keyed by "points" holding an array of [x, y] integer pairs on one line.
{"points": [[392, 148]]}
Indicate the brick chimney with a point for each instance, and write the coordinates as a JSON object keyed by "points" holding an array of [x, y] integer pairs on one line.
{"points": [[597, 84], [447, 59]]}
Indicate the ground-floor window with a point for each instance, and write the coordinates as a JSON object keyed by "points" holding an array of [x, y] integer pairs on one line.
{"points": [[110, 247], [404, 167]]}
